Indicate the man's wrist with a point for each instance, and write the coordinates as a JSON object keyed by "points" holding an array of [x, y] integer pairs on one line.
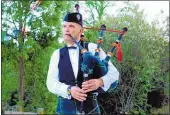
{"points": [[101, 83], [69, 91]]}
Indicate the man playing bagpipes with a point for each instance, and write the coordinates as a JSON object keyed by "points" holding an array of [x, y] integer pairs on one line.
{"points": [[65, 77]]}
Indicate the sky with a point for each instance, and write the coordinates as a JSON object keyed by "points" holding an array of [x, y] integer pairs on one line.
{"points": [[151, 9]]}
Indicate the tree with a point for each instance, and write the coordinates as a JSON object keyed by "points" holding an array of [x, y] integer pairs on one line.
{"points": [[144, 50], [33, 51], [145, 59], [99, 8]]}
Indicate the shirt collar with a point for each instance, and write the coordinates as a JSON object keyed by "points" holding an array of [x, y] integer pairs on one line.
{"points": [[69, 45]]}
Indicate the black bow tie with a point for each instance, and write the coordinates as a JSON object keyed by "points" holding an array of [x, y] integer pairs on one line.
{"points": [[72, 47]]}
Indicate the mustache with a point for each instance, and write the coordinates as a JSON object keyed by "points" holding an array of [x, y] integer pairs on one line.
{"points": [[68, 34]]}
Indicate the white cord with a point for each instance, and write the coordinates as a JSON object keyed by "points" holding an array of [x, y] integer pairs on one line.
{"points": [[92, 110]]}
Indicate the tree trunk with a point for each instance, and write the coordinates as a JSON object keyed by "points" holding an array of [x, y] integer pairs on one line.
{"points": [[21, 64], [21, 78]]}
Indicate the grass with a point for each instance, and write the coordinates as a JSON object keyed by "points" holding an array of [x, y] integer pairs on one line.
{"points": [[164, 110]]}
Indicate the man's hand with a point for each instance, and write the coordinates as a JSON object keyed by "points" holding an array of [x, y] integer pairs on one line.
{"points": [[92, 85], [78, 93]]}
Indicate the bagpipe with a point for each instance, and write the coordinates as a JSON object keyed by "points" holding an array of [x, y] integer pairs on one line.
{"points": [[92, 65]]}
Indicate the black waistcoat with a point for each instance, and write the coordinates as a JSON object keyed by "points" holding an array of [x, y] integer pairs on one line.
{"points": [[66, 74]]}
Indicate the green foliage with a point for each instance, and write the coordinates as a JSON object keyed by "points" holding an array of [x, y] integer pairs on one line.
{"points": [[36, 68], [162, 111], [37, 50], [97, 8], [145, 60]]}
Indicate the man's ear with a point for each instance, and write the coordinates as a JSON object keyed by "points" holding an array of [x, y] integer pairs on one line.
{"points": [[81, 30]]}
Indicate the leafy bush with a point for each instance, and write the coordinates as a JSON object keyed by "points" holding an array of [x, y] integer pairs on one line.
{"points": [[145, 62], [144, 67]]}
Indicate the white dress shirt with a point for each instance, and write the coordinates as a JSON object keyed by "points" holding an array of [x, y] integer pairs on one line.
{"points": [[59, 88]]}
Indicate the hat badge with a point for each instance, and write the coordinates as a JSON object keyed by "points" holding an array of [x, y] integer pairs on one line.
{"points": [[78, 17]]}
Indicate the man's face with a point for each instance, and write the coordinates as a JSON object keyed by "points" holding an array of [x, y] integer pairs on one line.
{"points": [[71, 28]]}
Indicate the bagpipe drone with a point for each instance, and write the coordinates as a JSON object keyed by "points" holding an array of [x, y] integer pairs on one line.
{"points": [[92, 66]]}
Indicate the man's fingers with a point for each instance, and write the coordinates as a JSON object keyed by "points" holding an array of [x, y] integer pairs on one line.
{"points": [[88, 90], [81, 94], [80, 98], [91, 85], [78, 94], [80, 90], [90, 81], [85, 83], [84, 88]]}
